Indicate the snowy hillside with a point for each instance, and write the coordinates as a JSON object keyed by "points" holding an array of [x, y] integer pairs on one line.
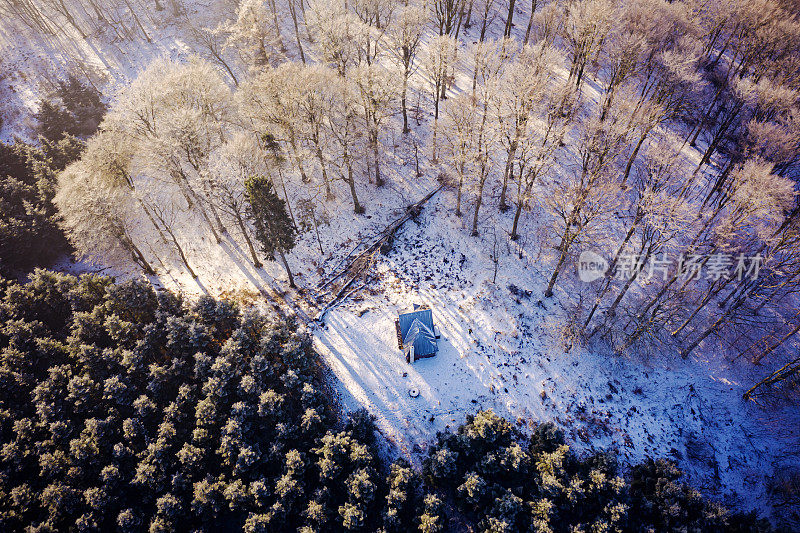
{"points": [[636, 132], [506, 352]]}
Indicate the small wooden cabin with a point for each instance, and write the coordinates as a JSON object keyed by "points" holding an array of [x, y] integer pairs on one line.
{"points": [[416, 334]]}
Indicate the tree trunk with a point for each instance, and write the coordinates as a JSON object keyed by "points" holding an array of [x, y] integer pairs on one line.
{"points": [[152, 219], [745, 285], [138, 257], [632, 158], [357, 208], [214, 232], [779, 375], [561, 258], [321, 158], [205, 216], [517, 213], [468, 23], [579, 76], [293, 12], [719, 183], [435, 127], [458, 192], [775, 291], [484, 24], [610, 270], [479, 200], [180, 252], [185, 188], [226, 66], [566, 243], [65, 11], [661, 293], [685, 352], [459, 21], [377, 156], [316, 230], [611, 311], [508, 170], [416, 160], [274, 8], [303, 176], [138, 22], [243, 229], [530, 22], [222, 229], [193, 199], [705, 115], [700, 307], [286, 196], [286, 266], [509, 20], [403, 100]]}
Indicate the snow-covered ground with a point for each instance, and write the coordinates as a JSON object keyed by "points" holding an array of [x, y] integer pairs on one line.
{"points": [[502, 352], [498, 350]]}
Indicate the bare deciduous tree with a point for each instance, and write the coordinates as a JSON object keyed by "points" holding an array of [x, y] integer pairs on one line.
{"points": [[99, 220], [405, 36], [378, 92], [438, 66], [458, 129], [343, 129], [586, 195], [255, 34], [587, 24]]}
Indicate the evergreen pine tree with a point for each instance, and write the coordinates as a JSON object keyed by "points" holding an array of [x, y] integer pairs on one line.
{"points": [[54, 121], [274, 229], [74, 109], [84, 103]]}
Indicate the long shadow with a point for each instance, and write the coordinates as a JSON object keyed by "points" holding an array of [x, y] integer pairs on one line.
{"points": [[239, 256], [235, 253], [369, 398], [201, 286], [434, 404], [375, 346]]}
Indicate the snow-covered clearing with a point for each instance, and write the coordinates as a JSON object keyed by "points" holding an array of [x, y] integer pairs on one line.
{"points": [[502, 352]]}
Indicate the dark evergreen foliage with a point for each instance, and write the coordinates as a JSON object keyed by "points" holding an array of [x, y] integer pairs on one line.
{"points": [[505, 483], [29, 233], [75, 109], [124, 409], [274, 228], [53, 121]]}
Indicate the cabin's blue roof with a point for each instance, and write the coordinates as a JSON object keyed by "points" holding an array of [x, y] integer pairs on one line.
{"points": [[417, 328]]}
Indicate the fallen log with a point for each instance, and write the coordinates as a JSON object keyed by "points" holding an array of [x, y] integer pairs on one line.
{"points": [[359, 265]]}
